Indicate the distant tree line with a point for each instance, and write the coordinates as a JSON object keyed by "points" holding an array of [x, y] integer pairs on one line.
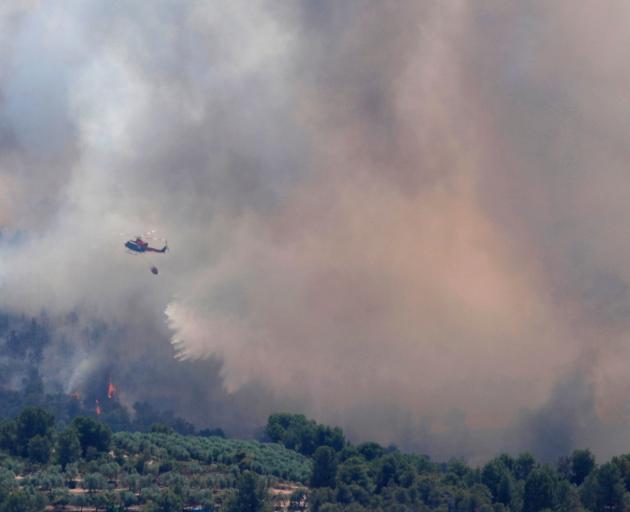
{"points": [[32, 435], [367, 476], [43, 460]]}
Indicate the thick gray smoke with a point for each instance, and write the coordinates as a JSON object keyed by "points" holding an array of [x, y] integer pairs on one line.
{"points": [[405, 218]]}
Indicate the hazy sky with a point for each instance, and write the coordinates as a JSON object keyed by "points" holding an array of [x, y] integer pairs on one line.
{"points": [[407, 218]]}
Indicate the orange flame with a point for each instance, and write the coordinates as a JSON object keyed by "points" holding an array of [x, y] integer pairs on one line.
{"points": [[111, 390], [98, 408]]}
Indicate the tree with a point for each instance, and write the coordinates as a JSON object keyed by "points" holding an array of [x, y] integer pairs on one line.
{"points": [[540, 490], [523, 465], [623, 464], [22, 501], [388, 470], [582, 463], [106, 501], [94, 481], [250, 494], [330, 436], [371, 450], [568, 498], [317, 498], [128, 499], [296, 432], [505, 490], [161, 428], [604, 489], [492, 474], [68, 447], [8, 436], [80, 500], [92, 434], [38, 449], [324, 467], [167, 501], [355, 471], [60, 498], [32, 421], [71, 471], [292, 430]]}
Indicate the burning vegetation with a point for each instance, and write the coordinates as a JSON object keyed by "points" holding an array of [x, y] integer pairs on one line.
{"points": [[111, 389]]}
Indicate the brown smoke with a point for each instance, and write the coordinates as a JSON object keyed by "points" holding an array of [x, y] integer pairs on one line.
{"points": [[406, 218]]}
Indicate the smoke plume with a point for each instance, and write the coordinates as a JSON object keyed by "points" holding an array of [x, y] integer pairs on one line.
{"points": [[404, 218]]}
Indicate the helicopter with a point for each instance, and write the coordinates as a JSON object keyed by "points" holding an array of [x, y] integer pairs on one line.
{"points": [[140, 246]]}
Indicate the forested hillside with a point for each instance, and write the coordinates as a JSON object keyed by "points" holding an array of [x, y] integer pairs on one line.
{"points": [[84, 466], [302, 465]]}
